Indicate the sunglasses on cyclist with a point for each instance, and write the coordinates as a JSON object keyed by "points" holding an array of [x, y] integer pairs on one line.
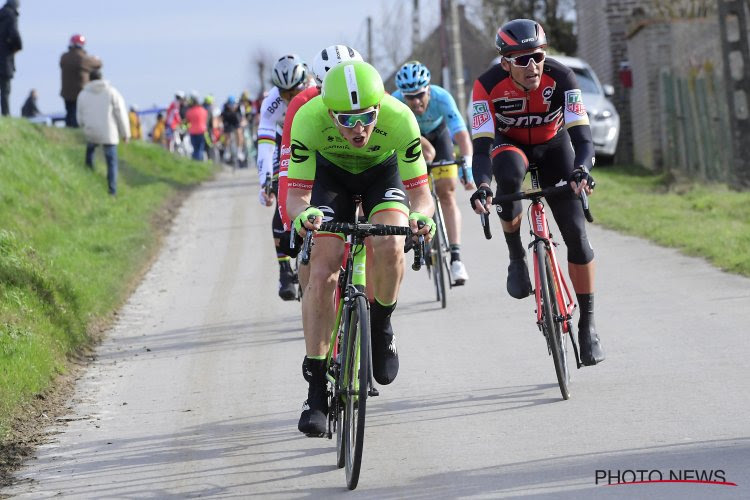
{"points": [[418, 95], [349, 120], [524, 60]]}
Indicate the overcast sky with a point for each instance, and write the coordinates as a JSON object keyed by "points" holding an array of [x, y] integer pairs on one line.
{"points": [[151, 48]]}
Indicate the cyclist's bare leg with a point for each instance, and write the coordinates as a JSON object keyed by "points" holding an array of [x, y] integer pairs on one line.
{"points": [[317, 300], [428, 150], [582, 277], [388, 258], [446, 191]]}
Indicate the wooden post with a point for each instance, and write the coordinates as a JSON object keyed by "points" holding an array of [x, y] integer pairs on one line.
{"points": [[734, 41]]}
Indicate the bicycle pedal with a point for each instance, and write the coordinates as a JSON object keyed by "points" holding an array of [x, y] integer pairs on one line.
{"points": [[373, 392]]}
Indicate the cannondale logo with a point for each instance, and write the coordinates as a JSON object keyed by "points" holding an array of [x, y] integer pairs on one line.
{"points": [[328, 213], [394, 194]]}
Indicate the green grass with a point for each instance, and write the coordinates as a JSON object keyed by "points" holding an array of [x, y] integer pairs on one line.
{"points": [[68, 251], [700, 219]]}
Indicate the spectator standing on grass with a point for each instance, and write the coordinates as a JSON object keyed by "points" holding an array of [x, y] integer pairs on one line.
{"points": [[135, 123], [10, 43], [102, 114], [29, 109], [158, 133], [75, 65], [197, 118]]}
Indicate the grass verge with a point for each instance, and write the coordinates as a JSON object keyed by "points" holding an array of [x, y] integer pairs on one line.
{"points": [[70, 253], [700, 219]]}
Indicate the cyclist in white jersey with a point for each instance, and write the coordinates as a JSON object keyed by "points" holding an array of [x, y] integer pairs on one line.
{"points": [[290, 77]]}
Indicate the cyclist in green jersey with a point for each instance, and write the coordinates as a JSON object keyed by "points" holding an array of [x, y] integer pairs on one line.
{"points": [[354, 140]]}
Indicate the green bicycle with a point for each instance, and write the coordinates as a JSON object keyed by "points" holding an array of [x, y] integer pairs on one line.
{"points": [[349, 359]]}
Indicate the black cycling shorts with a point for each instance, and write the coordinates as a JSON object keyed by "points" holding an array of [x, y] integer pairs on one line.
{"points": [[380, 188], [440, 138]]}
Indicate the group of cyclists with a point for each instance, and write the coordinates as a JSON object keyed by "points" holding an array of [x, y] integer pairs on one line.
{"points": [[328, 131], [196, 124]]}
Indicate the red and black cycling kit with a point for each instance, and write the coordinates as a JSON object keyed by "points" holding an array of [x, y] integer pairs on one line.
{"points": [[512, 126]]}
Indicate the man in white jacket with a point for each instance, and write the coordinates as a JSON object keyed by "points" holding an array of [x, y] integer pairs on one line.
{"points": [[104, 118]]}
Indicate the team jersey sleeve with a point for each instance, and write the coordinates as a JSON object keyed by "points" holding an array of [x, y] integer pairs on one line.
{"points": [[266, 143], [302, 148], [577, 121], [450, 112], [482, 133], [411, 165]]}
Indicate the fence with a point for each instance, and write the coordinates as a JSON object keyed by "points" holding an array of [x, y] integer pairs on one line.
{"points": [[695, 132]]}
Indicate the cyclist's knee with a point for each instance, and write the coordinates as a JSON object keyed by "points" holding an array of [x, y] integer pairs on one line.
{"points": [[446, 190], [389, 248], [580, 251]]}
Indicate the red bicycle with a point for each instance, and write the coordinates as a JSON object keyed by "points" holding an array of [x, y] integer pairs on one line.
{"points": [[555, 304]]}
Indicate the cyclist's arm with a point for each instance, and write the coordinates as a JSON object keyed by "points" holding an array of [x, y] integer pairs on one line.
{"points": [[482, 134], [412, 167], [302, 164], [291, 111], [577, 123]]}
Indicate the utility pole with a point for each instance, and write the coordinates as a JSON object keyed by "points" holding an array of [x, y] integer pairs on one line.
{"points": [[733, 27], [458, 61], [369, 41], [414, 25], [261, 72], [444, 58]]}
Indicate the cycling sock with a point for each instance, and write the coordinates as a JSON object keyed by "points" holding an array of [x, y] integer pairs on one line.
{"points": [[285, 263], [455, 252], [586, 306], [380, 315], [515, 246]]}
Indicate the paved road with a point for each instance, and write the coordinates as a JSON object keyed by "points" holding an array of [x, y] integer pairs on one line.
{"points": [[197, 390]]}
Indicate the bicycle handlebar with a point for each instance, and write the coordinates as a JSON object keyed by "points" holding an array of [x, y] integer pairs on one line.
{"points": [[533, 194], [362, 231]]}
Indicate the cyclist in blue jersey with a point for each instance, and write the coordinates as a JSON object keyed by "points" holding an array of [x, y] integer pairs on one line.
{"points": [[440, 124]]}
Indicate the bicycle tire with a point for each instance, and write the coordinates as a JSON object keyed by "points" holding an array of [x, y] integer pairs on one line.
{"points": [[551, 311], [356, 375], [338, 403], [439, 257]]}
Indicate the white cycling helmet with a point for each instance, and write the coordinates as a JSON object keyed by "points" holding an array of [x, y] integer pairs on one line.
{"points": [[330, 57], [180, 94], [289, 72]]}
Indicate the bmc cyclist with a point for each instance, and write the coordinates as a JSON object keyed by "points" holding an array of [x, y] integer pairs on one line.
{"points": [[354, 140], [439, 121], [289, 76], [528, 109]]}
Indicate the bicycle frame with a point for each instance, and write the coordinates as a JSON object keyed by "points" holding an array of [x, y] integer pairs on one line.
{"points": [[540, 232]]}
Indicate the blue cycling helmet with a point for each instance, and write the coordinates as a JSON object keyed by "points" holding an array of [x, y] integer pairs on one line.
{"points": [[412, 76], [231, 99]]}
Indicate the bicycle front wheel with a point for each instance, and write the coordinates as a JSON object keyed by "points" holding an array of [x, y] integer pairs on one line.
{"points": [[438, 256], [552, 319], [356, 371]]}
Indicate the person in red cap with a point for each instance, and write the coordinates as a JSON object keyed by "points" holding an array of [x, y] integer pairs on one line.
{"points": [[76, 65]]}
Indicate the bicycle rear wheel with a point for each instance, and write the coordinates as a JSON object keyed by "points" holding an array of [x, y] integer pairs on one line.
{"points": [[356, 376], [552, 320]]}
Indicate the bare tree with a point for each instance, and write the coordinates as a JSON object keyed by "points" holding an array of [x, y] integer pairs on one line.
{"points": [[261, 63], [390, 37], [556, 16]]}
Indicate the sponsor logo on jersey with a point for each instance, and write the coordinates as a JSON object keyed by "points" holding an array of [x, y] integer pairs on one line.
{"points": [[547, 93], [381, 132], [574, 102], [505, 105], [299, 152], [413, 151], [507, 122], [480, 114], [374, 148], [274, 105], [394, 194], [285, 151]]}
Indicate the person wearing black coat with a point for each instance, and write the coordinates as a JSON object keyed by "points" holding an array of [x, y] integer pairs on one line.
{"points": [[10, 43]]}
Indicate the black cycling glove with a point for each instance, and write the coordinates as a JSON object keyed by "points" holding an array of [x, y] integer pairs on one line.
{"points": [[481, 190], [580, 174]]}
